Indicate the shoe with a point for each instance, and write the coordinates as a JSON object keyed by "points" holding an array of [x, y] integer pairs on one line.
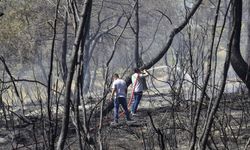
{"points": [[133, 114], [114, 123]]}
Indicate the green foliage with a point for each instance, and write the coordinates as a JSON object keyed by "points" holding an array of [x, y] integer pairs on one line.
{"points": [[12, 27], [17, 14], [19, 28]]}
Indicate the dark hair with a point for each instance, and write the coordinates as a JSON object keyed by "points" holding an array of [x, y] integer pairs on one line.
{"points": [[115, 75], [136, 70]]}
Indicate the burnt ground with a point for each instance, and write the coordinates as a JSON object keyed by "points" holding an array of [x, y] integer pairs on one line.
{"points": [[22, 135], [171, 123], [145, 133], [139, 135]]}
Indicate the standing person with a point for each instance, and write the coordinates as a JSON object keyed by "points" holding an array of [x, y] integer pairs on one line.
{"points": [[137, 82], [119, 90]]}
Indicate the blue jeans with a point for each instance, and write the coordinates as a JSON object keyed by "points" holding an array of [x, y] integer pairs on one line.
{"points": [[136, 101], [123, 102]]}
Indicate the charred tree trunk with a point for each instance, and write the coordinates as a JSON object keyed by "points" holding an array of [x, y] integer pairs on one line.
{"points": [[248, 34], [239, 65], [64, 48], [79, 35], [51, 138], [137, 57]]}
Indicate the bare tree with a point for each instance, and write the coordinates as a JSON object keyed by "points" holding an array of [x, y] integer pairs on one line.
{"points": [[204, 88], [136, 32], [64, 48], [78, 40], [210, 117], [248, 34], [51, 138], [237, 61]]}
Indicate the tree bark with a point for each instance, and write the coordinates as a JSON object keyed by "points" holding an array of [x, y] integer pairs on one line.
{"points": [[238, 63], [171, 37], [64, 48], [50, 78], [137, 56], [79, 35], [248, 34]]}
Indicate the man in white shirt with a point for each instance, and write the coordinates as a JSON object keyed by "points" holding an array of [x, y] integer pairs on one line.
{"points": [[137, 82], [119, 90]]}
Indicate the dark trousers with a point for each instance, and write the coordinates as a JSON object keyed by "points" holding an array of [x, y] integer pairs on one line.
{"points": [[123, 102]]}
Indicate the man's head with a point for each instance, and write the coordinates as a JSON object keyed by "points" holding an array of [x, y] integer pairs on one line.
{"points": [[137, 70], [115, 76]]}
